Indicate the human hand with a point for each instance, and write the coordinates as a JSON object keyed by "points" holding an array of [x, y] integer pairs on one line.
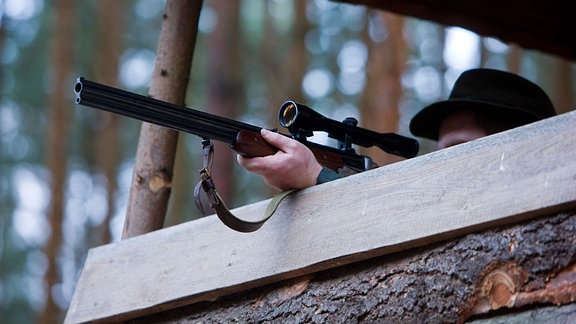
{"points": [[294, 166]]}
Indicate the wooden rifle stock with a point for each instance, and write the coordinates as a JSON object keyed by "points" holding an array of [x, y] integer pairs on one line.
{"points": [[250, 144]]}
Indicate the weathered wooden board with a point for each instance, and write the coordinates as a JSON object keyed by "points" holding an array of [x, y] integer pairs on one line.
{"points": [[515, 175]]}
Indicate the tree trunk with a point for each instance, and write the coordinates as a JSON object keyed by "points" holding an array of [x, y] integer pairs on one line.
{"points": [[514, 59], [512, 268], [225, 92], [152, 178], [57, 150], [298, 58], [380, 103], [563, 84], [107, 59]]}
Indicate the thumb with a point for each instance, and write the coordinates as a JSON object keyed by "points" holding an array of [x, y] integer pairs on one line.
{"points": [[276, 139]]}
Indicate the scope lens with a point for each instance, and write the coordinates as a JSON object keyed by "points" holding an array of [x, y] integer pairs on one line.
{"points": [[288, 115]]}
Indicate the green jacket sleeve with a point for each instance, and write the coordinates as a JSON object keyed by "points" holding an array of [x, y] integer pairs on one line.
{"points": [[327, 175]]}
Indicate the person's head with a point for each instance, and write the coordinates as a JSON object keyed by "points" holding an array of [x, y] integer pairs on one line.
{"points": [[482, 102]]}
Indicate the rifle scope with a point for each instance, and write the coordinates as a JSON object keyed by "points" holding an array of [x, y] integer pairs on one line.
{"points": [[302, 120]]}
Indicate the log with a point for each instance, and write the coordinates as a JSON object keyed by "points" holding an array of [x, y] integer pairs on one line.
{"points": [[497, 180], [440, 283]]}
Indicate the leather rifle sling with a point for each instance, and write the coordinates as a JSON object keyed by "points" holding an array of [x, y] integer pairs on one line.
{"points": [[206, 195]]}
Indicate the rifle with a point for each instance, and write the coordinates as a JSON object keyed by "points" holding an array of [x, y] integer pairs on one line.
{"points": [[245, 139]]}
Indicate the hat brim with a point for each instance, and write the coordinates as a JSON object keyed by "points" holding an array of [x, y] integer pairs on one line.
{"points": [[427, 122]]}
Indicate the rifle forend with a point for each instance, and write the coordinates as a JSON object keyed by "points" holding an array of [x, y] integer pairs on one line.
{"points": [[205, 125]]}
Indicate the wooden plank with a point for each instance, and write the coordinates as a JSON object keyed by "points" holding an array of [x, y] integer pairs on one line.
{"points": [[511, 176]]}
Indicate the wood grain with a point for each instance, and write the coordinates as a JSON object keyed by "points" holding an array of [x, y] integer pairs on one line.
{"points": [[504, 178]]}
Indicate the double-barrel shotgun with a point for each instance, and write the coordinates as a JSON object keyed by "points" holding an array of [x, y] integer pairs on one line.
{"points": [[300, 120]]}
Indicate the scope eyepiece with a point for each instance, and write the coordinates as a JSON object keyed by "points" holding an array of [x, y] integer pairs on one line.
{"points": [[288, 113], [299, 118]]}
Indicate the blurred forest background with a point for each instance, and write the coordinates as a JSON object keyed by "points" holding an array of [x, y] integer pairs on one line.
{"points": [[65, 170]]}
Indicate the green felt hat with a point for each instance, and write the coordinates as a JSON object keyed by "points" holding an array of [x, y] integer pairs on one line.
{"points": [[497, 93]]}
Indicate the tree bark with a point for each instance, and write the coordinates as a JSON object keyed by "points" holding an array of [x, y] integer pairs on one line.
{"points": [[57, 149], [523, 266], [152, 178]]}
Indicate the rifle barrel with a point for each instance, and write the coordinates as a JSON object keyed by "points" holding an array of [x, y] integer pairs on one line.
{"points": [[158, 112]]}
